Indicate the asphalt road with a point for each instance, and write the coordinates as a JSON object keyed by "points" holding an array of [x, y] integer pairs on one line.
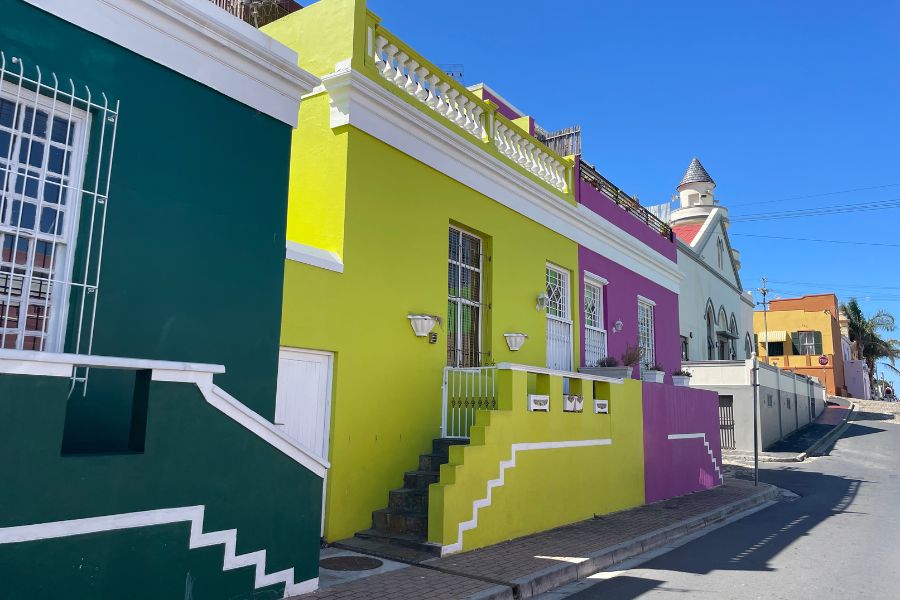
{"points": [[839, 539]]}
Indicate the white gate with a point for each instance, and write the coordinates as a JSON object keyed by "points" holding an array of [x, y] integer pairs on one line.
{"points": [[303, 398], [559, 320]]}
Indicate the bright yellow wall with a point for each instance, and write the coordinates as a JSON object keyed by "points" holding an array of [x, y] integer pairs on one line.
{"points": [[547, 487], [793, 321], [386, 395]]}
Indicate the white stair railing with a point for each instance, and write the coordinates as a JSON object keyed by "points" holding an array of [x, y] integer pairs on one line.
{"points": [[464, 391]]}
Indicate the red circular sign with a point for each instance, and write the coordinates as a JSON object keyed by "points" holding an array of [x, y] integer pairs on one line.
{"points": [[823, 360]]}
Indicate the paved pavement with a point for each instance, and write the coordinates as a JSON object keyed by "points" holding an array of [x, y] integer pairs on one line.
{"points": [[839, 538], [536, 563]]}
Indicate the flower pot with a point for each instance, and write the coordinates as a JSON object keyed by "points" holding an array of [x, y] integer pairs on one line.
{"points": [[538, 403], [681, 380], [614, 372], [601, 407], [653, 376], [573, 403], [515, 340]]}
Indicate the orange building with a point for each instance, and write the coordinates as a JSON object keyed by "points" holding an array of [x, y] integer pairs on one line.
{"points": [[795, 332]]}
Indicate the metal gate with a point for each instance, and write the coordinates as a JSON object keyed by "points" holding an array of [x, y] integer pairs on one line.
{"points": [[726, 421]]}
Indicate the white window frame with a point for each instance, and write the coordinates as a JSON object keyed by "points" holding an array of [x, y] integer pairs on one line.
{"points": [[811, 344], [61, 280], [566, 304], [649, 307], [598, 283]]}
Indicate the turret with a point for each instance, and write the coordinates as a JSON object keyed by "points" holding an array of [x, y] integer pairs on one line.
{"points": [[696, 197]]}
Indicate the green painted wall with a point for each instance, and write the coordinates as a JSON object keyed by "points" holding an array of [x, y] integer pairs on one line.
{"points": [[386, 395], [194, 455], [193, 259]]}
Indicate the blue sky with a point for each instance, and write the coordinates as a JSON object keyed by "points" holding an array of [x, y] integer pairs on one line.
{"points": [[779, 100]]}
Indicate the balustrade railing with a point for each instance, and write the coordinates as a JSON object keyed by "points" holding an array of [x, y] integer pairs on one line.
{"points": [[594, 345], [464, 391], [435, 91]]}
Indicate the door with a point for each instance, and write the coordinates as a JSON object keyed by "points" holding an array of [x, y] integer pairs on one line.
{"points": [[726, 421], [464, 300], [559, 320], [303, 398]]}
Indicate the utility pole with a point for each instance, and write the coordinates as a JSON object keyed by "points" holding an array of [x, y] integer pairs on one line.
{"points": [[765, 304], [755, 380]]}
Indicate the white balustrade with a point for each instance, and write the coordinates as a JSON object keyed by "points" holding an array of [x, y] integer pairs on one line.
{"points": [[403, 71]]}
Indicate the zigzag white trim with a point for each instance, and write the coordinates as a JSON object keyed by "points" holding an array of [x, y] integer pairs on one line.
{"points": [[147, 518], [690, 436], [495, 483]]}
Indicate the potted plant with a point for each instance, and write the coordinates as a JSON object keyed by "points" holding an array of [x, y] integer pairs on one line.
{"points": [[655, 373], [608, 367], [631, 357], [681, 378]]}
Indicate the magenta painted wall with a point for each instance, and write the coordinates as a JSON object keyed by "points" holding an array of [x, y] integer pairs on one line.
{"points": [[603, 205], [677, 467], [620, 304]]}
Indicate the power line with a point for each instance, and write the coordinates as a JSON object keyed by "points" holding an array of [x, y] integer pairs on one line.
{"points": [[862, 189], [832, 285], [822, 210], [778, 237]]}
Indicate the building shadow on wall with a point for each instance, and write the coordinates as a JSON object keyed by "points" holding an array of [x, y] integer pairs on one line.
{"points": [[745, 545]]}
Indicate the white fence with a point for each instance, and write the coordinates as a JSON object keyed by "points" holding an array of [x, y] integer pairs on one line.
{"points": [[464, 391]]}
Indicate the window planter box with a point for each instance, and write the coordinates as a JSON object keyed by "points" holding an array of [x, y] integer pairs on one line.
{"points": [[615, 372], [681, 380], [653, 376], [573, 403]]}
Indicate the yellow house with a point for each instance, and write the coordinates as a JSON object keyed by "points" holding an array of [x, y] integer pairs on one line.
{"points": [[795, 332]]}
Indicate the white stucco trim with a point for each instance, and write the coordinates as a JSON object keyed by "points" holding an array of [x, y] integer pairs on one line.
{"points": [[646, 300], [702, 436], [166, 516], [689, 253], [595, 279], [25, 362], [361, 102], [501, 480], [201, 41], [313, 256]]}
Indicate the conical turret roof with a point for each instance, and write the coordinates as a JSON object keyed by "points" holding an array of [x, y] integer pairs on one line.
{"points": [[696, 174]]}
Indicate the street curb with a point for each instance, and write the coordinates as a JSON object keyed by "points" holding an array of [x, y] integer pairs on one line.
{"points": [[555, 576], [828, 437]]}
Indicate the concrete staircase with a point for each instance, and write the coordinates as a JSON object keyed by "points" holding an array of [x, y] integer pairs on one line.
{"points": [[404, 523]]}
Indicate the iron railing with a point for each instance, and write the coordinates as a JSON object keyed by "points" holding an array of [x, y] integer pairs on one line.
{"points": [[464, 391], [258, 12], [590, 175]]}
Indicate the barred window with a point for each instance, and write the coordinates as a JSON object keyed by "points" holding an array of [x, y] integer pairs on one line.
{"points": [[645, 332], [39, 167]]}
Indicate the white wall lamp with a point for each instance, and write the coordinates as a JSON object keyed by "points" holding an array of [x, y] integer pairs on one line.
{"points": [[542, 301], [618, 326], [515, 340], [423, 324]]}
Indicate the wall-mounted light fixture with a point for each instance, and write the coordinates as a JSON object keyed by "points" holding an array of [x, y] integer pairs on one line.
{"points": [[515, 340], [423, 324], [618, 326], [542, 301]]}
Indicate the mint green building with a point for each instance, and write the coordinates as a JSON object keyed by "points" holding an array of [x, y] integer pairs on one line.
{"points": [[144, 159]]}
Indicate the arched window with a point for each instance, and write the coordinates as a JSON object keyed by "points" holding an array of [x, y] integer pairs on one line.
{"points": [[734, 333], [710, 331], [722, 342], [748, 346], [720, 248]]}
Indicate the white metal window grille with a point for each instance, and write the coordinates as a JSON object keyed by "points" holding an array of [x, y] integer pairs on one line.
{"points": [[807, 342], [645, 333], [464, 300], [594, 333], [559, 320], [44, 192]]}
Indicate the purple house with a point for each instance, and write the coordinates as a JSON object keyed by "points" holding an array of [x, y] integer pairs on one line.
{"points": [[624, 301]]}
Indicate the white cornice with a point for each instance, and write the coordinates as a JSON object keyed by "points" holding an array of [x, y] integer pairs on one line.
{"points": [[201, 41], [692, 255], [361, 102], [313, 256]]}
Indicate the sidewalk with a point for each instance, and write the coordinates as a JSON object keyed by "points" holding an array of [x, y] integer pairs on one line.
{"points": [[534, 564]]}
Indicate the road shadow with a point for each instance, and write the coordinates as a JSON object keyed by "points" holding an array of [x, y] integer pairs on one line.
{"points": [[750, 543]]}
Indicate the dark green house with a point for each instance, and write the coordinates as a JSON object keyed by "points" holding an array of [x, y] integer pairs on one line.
{"points": [[144, 157]]}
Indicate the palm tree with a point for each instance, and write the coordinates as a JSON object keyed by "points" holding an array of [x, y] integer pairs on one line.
{"points": [[867, 333]]}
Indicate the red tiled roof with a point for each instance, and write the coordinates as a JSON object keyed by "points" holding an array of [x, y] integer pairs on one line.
{"points": [[687, 233]]}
